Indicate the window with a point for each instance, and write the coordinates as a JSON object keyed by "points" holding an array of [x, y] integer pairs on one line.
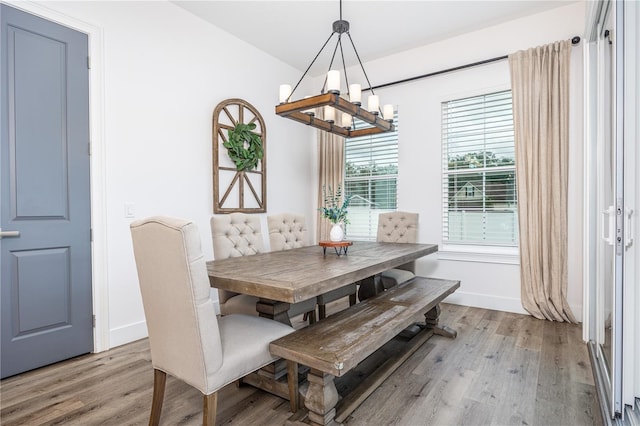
{"points": [[479, 177], [371, 176]]}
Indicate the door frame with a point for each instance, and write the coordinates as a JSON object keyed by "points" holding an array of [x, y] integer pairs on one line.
{"points": [[626, 366], [97, 164]]}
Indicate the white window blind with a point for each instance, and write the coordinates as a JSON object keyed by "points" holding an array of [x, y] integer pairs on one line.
{"points": [[371, 176], [479, 179]]}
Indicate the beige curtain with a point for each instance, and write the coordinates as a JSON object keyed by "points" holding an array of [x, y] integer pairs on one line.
{"points": [[331, 173], [540, 86]]}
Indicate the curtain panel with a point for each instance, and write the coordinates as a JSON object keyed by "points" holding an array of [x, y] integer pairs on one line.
{"points": [[331, 173], [540, 87]]}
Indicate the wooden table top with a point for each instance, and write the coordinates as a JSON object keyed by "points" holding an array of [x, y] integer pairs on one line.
{"points": [[295, 275]]}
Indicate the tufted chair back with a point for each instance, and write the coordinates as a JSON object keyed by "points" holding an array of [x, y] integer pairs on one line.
{"points": [[287, 231], [234, 235], [398, 227]]}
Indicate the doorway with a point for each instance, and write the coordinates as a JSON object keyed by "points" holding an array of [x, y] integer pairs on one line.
{"points": [[45, 217]]}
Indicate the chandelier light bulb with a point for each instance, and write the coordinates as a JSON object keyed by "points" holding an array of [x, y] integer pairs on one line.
{"points": [[285, 92], [329, 114], [355, 94], [373, 104], [387, 112], [346, 120], [333, 81]]}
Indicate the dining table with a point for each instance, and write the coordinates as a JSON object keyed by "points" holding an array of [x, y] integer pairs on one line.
{"points": [[283, 277], [280, 278]]}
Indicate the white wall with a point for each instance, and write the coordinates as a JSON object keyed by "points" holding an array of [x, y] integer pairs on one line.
{"points": [[488, 285], [163, 72]]}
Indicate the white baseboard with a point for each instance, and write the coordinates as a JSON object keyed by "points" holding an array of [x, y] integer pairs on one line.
{"points": [[136, 331], [128, 333], [577, 311], [497, 303]]}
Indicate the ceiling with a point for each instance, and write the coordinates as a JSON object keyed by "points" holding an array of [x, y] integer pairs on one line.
{"points": [[293, 31]]}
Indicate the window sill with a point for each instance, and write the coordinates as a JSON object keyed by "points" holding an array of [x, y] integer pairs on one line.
{"points": [[484, 254]]}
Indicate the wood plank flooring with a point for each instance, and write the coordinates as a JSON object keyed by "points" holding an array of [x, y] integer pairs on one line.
{"points": [[503, 369]]}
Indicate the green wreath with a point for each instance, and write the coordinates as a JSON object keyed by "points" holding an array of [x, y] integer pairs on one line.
{"points": [[244, 147]]}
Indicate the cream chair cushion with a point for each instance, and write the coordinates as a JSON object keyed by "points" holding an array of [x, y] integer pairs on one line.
{"points": [[185, 337], [287, 231]]}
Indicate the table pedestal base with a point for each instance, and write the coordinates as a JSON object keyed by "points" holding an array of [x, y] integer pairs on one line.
{"points": [[272, 309]]}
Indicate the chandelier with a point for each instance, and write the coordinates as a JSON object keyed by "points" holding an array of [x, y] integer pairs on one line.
{"points": [[338, 112]]}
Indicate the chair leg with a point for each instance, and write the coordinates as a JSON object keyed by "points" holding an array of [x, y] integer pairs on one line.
{"points": [[209, 409], [322, 311], [159, 382], [312, 317]]}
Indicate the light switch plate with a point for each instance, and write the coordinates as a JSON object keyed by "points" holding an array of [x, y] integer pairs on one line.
{"points": [[129, 210]]}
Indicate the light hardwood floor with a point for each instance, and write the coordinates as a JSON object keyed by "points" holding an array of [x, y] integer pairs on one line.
{"points": [[503, 369]]}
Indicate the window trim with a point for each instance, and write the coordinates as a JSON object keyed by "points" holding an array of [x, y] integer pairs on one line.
{"points": [[479, 253]]}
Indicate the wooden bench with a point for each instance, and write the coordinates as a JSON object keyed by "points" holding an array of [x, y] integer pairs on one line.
{"points": [[335, 345]]}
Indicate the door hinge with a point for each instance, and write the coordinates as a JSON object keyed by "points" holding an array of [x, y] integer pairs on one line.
{"points": [[93, 321]]}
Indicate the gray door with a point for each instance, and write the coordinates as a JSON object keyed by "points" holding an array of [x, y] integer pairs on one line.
{"points": [[46, 304]]}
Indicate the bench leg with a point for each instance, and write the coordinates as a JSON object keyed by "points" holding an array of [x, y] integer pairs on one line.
{"points": [[431, 319], [321, 398], [292, 381]]}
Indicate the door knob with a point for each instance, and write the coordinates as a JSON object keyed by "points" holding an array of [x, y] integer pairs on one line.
{"points": [[6, 234]]}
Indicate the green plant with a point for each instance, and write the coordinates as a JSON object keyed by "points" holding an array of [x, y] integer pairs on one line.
{"points": [[244, 147], [332, 209]]}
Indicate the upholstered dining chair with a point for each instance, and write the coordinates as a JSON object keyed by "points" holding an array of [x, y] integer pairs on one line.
{"points": [[186, 338], [240, 234], [233, 235], [288, 231], [398, 227], [393, 227]]}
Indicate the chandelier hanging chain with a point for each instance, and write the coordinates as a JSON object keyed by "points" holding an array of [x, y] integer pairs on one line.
{"points": [[333, 57], [361, 66], [344, 67], [339, 43], [309, 67]]}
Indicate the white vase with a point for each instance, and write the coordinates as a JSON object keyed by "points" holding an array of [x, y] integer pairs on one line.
{"points": [[336, 233]]}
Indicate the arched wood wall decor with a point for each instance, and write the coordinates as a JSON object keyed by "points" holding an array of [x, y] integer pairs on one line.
{"points": [[236, 190]]}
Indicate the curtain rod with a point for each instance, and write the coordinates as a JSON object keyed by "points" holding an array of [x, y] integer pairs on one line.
{"points": [[575, 40]]}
